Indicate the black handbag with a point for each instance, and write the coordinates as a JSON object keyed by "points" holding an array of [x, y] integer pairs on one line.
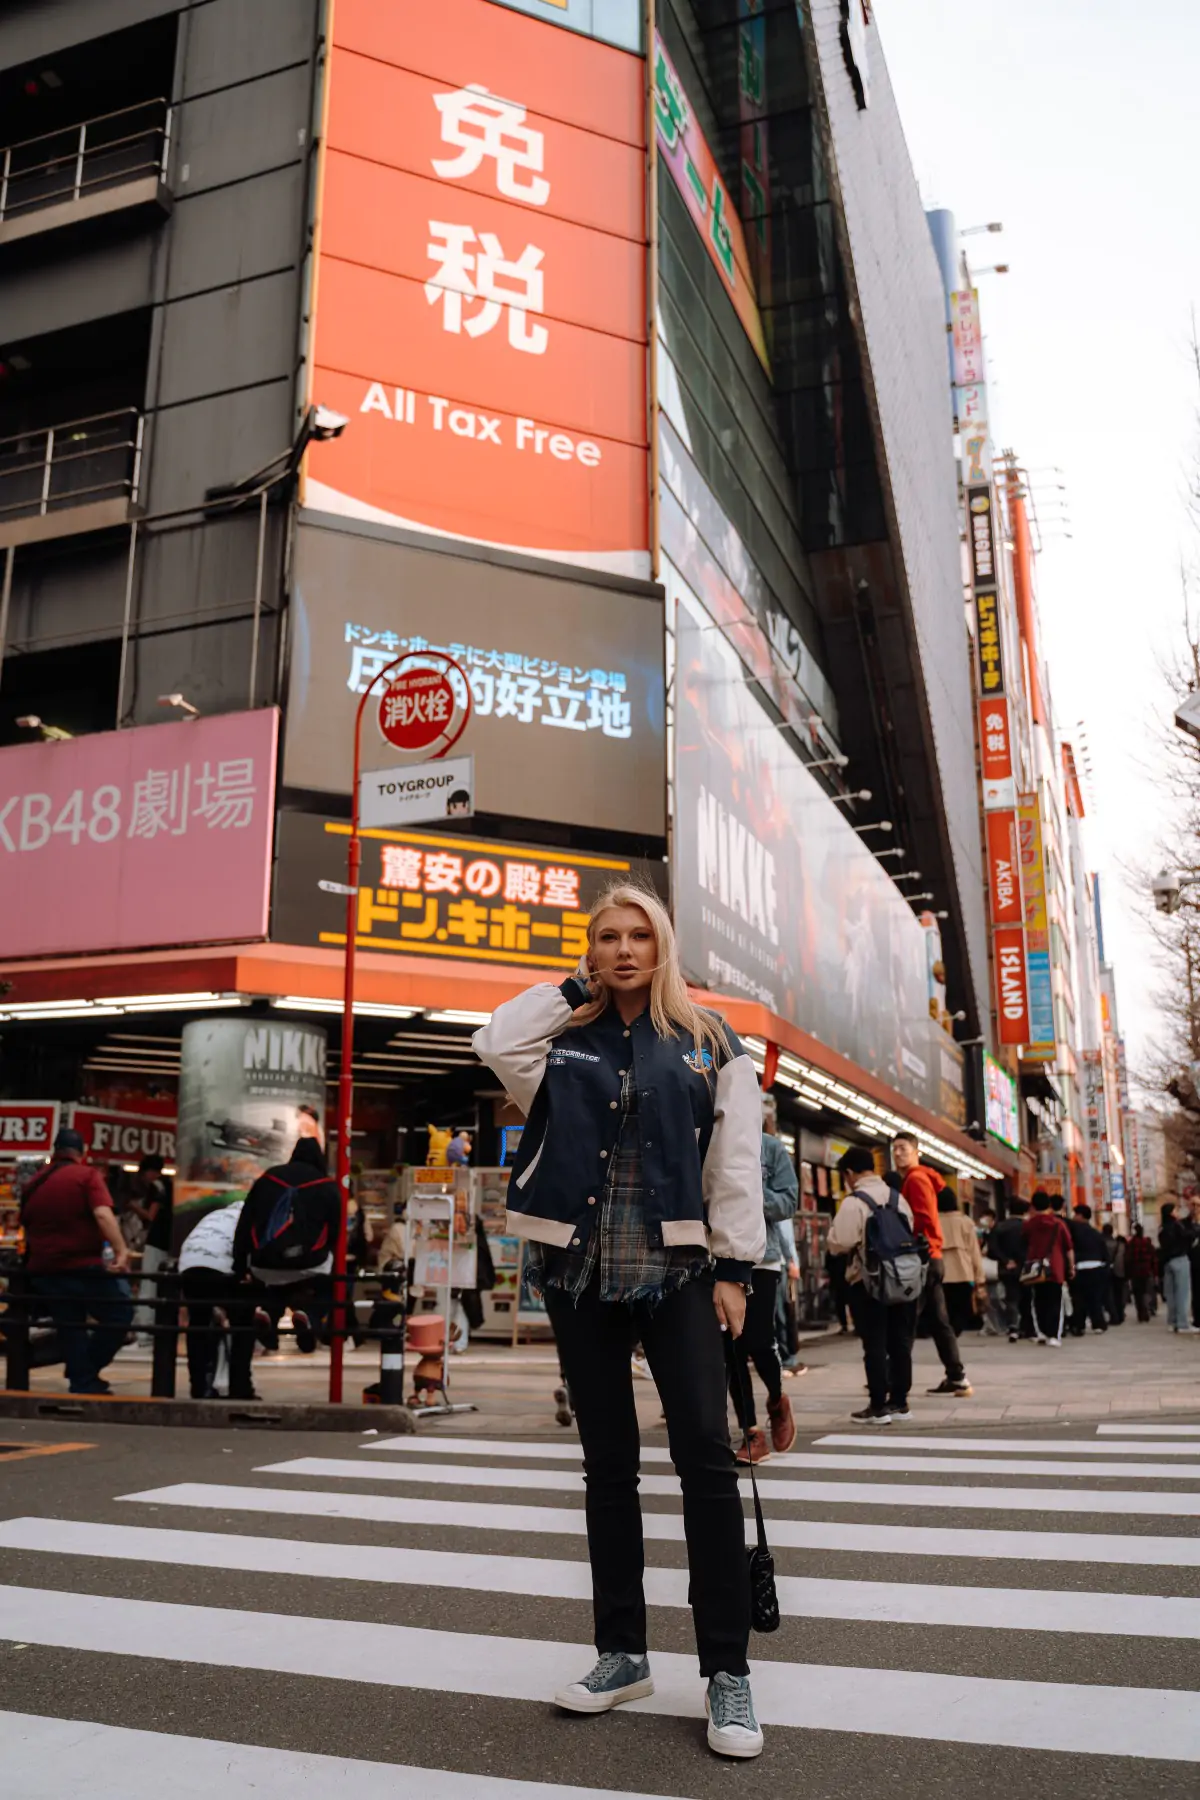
{"points": [[764, 1601]]}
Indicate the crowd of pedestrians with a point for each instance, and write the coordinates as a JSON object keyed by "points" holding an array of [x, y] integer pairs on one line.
{"points": [[904, 1258]]}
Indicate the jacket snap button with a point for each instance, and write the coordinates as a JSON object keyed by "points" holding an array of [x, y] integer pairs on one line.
{"points": [[624, 1034], [648, 1143], [612, 1106], [622, 1071], [575, 1243], [591, 1199], [603, 1153]]}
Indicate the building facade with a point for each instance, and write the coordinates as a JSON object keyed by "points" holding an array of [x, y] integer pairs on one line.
{"points": [[548, 347]]}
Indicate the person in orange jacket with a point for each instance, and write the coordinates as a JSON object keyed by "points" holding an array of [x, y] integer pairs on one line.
{"points": [[921, 1187]]}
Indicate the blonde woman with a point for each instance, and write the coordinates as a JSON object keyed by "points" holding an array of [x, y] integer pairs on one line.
{"points": [[639, 1190]]}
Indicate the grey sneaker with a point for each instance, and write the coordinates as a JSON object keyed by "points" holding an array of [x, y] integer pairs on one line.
{"points": [[733, 1729], [615, 1679]]}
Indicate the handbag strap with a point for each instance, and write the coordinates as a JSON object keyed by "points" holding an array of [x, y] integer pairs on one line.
{"points": [[744, 1386]]}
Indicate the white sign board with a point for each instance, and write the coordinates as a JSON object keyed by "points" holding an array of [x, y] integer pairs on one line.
{"points": [[419, 793]]}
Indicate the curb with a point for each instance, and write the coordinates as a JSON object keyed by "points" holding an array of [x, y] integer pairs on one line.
{"points": [[114, 1409]]}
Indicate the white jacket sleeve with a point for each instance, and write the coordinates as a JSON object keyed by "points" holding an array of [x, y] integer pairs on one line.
{"points": [[732, 1184], [516, 1041]]}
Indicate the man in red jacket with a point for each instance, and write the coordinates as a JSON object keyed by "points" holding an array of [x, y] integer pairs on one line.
{"points": [[67, 1216], [921, 1188]]}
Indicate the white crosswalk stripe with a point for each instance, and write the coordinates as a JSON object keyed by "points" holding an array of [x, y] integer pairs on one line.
{"points": [[462, 1537], [774, 1487], [48, 1759], [1099, 1547], [1162, 1429], [960, 1446], [898, 1602], [946, 1708]]}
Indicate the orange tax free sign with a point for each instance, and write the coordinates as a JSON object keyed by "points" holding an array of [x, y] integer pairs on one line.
{"points": [[481, 284]]}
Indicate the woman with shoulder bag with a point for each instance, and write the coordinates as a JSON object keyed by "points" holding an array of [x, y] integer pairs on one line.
{"points": [[638, 1189], [963, 1278]]}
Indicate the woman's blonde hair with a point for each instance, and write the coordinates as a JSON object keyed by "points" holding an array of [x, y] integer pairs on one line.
{"points": [[672, 1010]]}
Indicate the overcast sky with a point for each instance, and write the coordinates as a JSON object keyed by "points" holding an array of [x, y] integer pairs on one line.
{"points": [[1075, 123]]}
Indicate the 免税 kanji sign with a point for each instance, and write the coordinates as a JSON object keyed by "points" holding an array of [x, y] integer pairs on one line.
{"points": [[481, 285]]}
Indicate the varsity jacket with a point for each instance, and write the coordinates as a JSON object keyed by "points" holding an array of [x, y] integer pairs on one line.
{"points": [[699, 1112]]}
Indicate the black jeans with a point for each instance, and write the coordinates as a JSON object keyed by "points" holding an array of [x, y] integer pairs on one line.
{"points": [[312, 1295], [1143, 1296], [757, 1344], [1018, 1303], [1089, 1290], [204, 1289], [933, 1308], [74, 1296], [887, 1334], [685, 1349]]}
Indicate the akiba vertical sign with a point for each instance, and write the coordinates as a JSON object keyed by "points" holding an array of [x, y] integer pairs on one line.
{"points": [[480, 306]]}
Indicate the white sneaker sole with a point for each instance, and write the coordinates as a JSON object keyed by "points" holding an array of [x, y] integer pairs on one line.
{"points": [[582, 1702], [746, 1748]]}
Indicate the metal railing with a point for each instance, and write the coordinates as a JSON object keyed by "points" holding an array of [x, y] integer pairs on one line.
{"points": [[29, 1341], [75, 464], [79, 160]]}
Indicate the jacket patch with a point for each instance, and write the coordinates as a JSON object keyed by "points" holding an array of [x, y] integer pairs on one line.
{"points": [[558, 1056], [699, 1061]]}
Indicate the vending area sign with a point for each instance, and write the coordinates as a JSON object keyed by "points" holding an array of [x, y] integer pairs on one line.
{"points": [[27, 1127]]}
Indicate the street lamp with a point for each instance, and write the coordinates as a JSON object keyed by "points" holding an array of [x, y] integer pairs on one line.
{"points": [[178, 701], [51, 734], [862, 794]]}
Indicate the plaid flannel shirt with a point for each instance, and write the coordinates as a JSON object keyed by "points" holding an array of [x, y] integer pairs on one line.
{"points": [[631, 1268]]}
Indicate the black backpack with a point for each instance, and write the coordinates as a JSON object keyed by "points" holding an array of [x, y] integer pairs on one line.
{"points": [[295, 1233], [893, 1268]]}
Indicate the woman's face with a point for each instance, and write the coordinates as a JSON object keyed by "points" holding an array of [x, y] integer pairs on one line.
{"points": [[624, 953]]}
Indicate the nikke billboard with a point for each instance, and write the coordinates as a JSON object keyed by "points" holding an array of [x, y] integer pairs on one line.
{"points": [[566, 678], [776, 896], [128, 839], [481, 306]]}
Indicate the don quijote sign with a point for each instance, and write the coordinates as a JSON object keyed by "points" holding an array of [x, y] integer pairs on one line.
{"points": [[122, 1137], [27, 1127]]}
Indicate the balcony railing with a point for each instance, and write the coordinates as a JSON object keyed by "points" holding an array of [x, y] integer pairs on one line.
{"points": [[81, 160], [82, 463]]}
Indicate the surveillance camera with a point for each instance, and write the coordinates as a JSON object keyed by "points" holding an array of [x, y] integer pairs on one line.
{"points": [[327, 423], [1168, 891], [29, 722]]}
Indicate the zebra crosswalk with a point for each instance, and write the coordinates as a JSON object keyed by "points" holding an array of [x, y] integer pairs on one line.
{"points": [[372, 1596]]}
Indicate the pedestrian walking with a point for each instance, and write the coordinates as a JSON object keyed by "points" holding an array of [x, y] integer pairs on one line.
{"points": [[150, 1204], [208, 1286], [962, 1266], [1092, 1281], [886, 1325], [638, 1186], [76, 1260], [1175, 1239], [1049, 1265], [1007, 1245], [1115, 1248], [1141, 1262], [839, 1294], [921, 1187], [756, 1341], [285, 1239]]}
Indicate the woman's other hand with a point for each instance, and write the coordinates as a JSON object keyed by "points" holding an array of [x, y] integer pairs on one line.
{"points": [[729, 1298]]}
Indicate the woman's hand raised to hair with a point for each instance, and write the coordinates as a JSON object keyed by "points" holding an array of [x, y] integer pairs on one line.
{"points": [[729, 1298], [588, 978]]}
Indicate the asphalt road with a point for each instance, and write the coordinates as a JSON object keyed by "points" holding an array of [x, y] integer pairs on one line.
{"points": [[996, 1643]]}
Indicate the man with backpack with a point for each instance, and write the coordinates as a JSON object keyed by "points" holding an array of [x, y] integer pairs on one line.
{"points": [[285, 1240], [921, 1187], [885, 1275]]}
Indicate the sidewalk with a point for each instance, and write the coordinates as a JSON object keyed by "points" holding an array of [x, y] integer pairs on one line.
{"points": [[1133, 1371]]}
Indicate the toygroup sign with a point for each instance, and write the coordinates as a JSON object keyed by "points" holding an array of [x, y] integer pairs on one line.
{"points": [[481, 282], [101, 837]]}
